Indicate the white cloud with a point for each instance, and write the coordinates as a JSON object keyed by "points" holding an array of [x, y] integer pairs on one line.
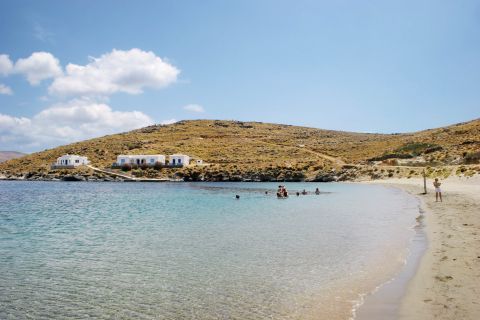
{"points": [[64, 123], [194, 108], [6, 65], [117, 71], [39, 66], [5, 89], [12, 131], [87, 114], [10, 123], [169, 121]]}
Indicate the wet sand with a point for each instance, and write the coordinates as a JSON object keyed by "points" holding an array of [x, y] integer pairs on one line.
{"points": [[446, 284], [385, 302]]}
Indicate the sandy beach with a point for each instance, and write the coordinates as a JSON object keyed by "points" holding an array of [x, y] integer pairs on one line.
{"points": [[446, 284]]}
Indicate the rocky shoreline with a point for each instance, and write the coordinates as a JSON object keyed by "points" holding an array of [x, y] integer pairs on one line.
{"points": [[48, 177], [345, 173]]}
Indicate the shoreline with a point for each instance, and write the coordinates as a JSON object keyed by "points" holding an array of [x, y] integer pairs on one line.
{"points": [[445, 282], [347, 173], [384, 301]]}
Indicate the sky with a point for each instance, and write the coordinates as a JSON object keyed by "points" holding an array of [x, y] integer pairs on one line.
{"points": [[73, 70]]}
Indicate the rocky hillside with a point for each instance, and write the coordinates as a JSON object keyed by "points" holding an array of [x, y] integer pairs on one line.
{"points": [[261, 151]]}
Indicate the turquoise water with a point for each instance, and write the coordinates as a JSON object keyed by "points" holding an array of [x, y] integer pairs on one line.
{"points": [[192, 251]]}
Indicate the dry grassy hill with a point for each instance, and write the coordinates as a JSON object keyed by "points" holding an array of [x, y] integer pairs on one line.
{"points": [[237, 149]]}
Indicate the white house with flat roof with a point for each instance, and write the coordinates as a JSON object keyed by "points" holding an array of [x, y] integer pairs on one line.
{"points": [[140, 159], [179, 160], [71, 160]]}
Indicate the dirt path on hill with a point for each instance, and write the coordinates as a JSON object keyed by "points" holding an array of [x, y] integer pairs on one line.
{"points": [[125, 176], [334, 160], [111, 173]]}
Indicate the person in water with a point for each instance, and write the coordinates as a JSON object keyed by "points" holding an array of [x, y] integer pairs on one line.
{"points": [[285, 192], [317, 191], [438, 191], [282, 192], [304, 192]]}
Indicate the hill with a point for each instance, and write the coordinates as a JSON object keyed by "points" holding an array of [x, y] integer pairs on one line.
{"points": [[8, 155], [262, 151]]}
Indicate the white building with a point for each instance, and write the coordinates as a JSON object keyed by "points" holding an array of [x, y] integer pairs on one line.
{"points": [[179, 160], [140, 159], [71, 160]]}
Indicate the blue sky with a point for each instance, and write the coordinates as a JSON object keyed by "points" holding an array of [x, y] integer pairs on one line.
{"points": [[371, 66]]}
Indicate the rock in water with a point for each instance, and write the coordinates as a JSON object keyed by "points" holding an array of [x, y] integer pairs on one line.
{"points": [[73, 178]]}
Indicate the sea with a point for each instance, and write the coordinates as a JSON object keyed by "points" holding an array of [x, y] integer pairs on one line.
{"points": [[139, 250]]}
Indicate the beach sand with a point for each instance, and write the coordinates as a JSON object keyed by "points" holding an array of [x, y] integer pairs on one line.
{"points": [[446, 284]]}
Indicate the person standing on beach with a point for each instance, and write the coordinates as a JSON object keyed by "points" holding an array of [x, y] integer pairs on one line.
{"points": [[438, 191]]}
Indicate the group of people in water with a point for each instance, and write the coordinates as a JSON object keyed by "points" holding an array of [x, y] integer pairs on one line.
{"points": [[283, 193]]}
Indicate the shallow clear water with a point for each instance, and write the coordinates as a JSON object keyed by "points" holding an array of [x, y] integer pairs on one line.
{"points": [[179, 250]]}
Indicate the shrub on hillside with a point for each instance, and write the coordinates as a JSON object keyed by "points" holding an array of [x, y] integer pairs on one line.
{"points": [[417, 148], [472, 157], [137, 172], [391, 156], [158, 165], [433, 149], [126, 167], [150, 173], [134, 145]]}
